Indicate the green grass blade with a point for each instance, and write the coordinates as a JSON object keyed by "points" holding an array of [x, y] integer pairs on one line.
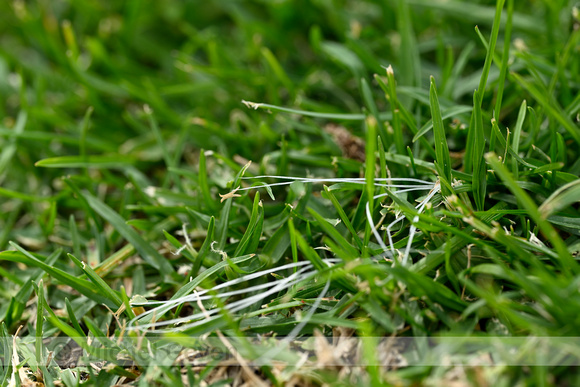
{"points": [[517, 136], [108, 353], [83, 287], [277, 244], [205, 247], [22, 196], [397, 128], [490, 50], [101, 286], [410, 61], [309, 253], [18, 302], [504, 68], [224, 220], [343, 55], [561, 198], [445, 114], [344, 218], [147, 252], [372, 106], [370, 161], [293, 241], [253, 231], [100, 162], [73, 318], [331, 116], [39, 325], [441, 148], [421, 286], [511, 151], [458, 68], [329, 229], [406, 117], [126, 302], [278, 69], [479, 168]]}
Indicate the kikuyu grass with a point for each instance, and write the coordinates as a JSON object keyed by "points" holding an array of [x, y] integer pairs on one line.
{"points": [[306, 270]]}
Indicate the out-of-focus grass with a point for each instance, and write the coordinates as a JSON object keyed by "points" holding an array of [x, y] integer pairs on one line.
{"points": [[121, 122]]}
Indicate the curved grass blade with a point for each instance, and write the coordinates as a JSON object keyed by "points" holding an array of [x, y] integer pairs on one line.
{"points": [[18, 302], [344, 218], [517, 136], [441, 147], [410, 61], [351, 252], [343, 55], [560, 199], [147, 252], [190, 287], [103, 162], [490, 51], [445, 114], [101, 286], [504, 68], [251, 237], [83, 287], [479, 182], [332, 116], [24, 197], [103, 353]]}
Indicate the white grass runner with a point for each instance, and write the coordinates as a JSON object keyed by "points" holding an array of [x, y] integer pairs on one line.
{"points": [[305, 270], [305, 273], [394, 182]]}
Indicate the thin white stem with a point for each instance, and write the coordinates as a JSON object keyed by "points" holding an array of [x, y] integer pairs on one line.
{"points": [[402, 191], [391, 244], [412, 229], [338, 180], [172, 303], [425, 187], [235, 281], [373, 228], [202, 318], [301, 275], [399, 218]]}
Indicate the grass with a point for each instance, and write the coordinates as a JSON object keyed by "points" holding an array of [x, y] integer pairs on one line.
{"points": [[362, 193]]}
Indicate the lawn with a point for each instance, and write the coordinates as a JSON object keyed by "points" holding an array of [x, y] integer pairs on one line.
{"points": [[289, 193]]}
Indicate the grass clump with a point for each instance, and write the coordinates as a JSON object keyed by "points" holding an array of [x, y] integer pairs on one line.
{"points": [[409, 215]]}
